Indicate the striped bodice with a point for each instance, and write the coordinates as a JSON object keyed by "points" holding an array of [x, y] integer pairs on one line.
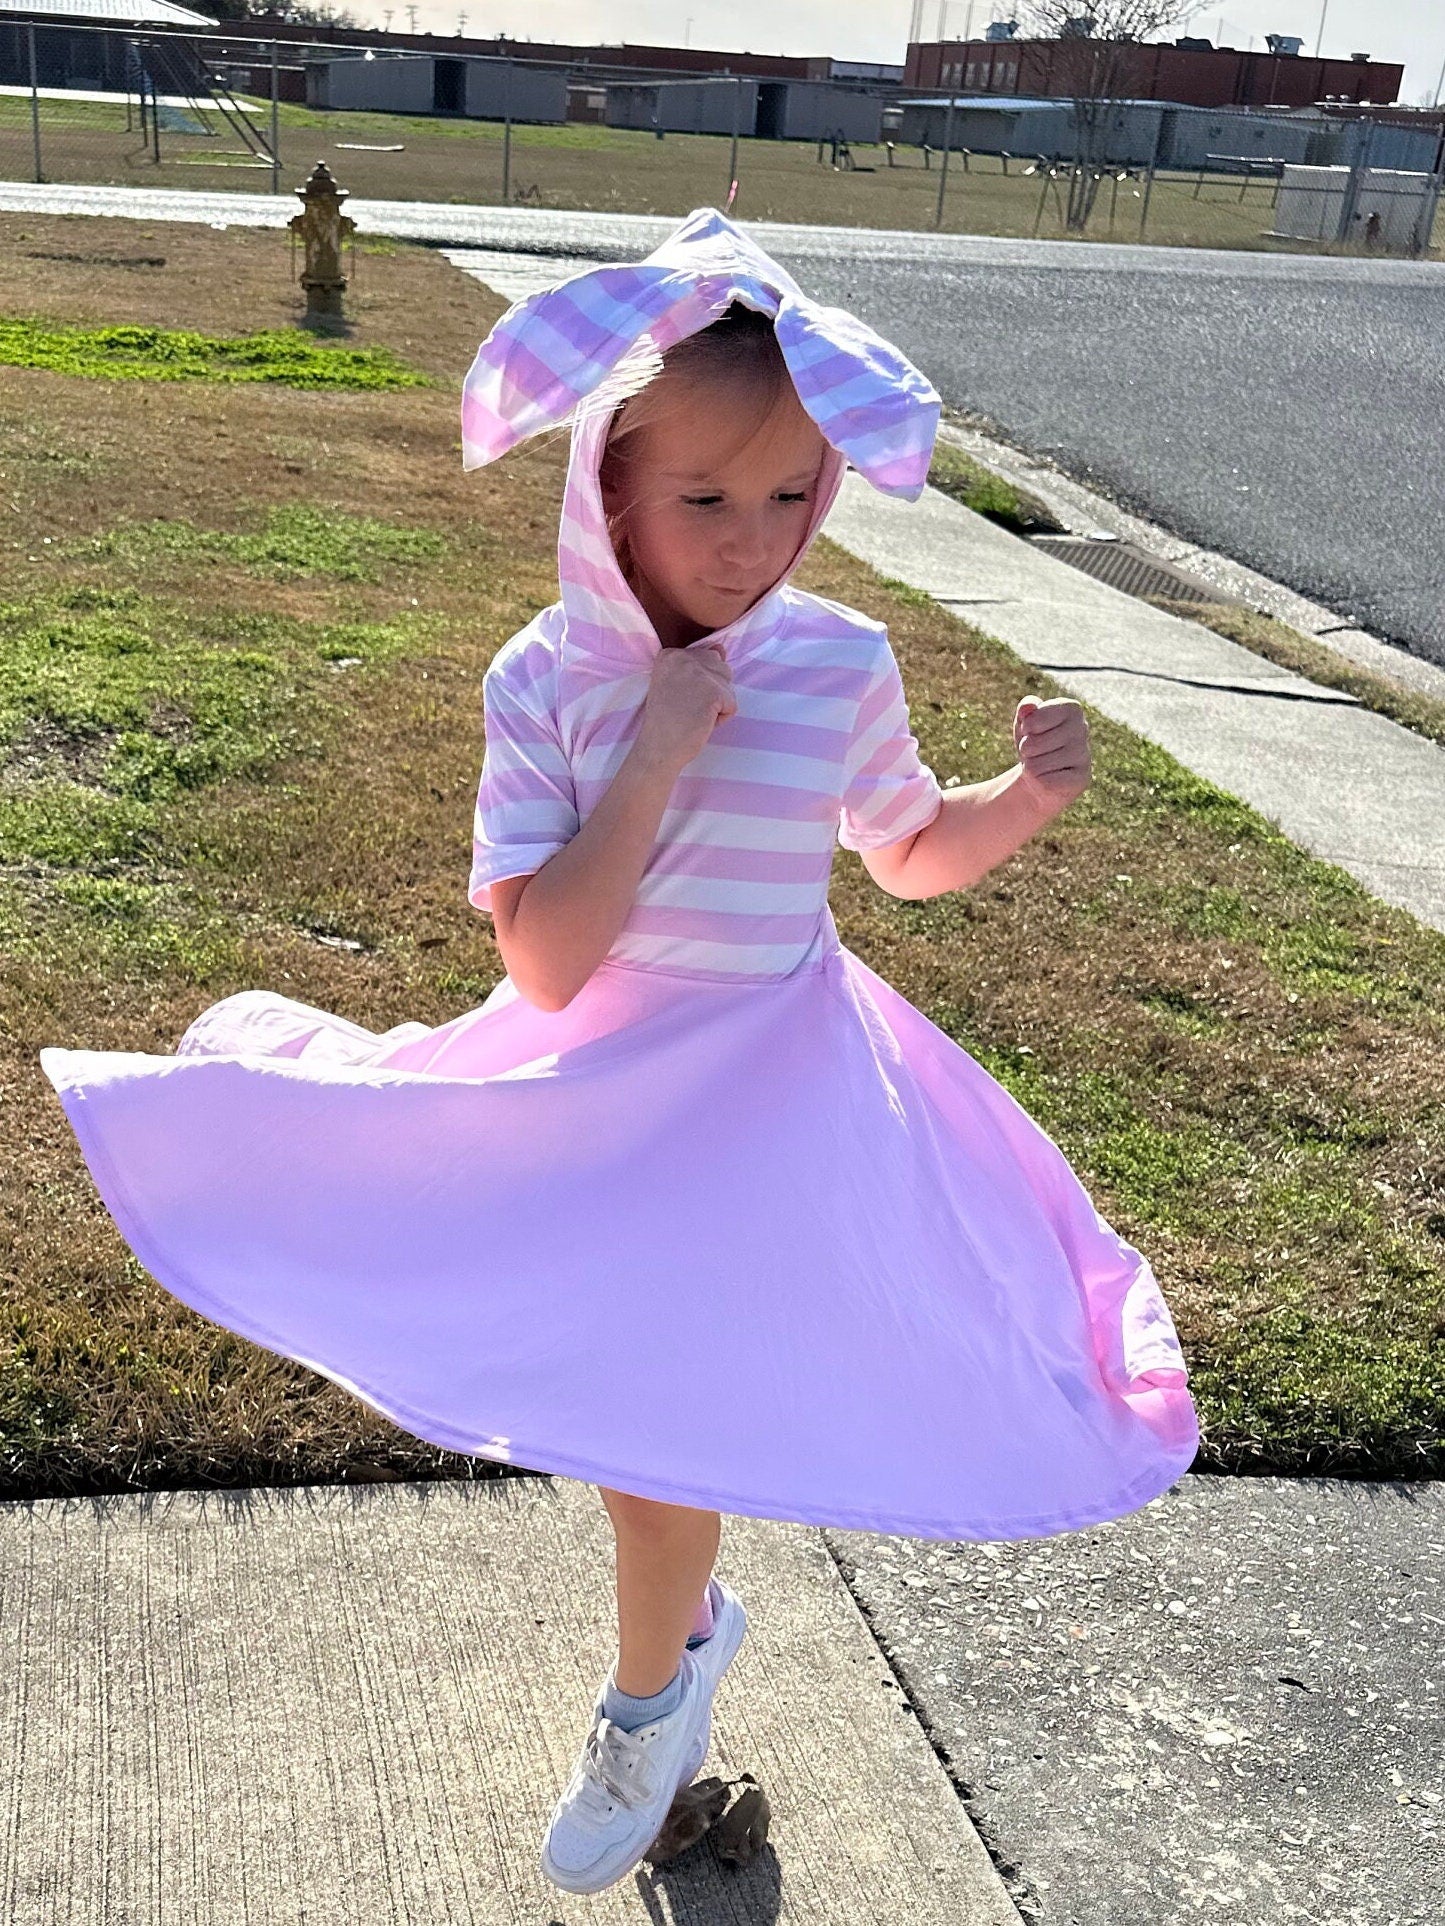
{"points": [[819, 753]]}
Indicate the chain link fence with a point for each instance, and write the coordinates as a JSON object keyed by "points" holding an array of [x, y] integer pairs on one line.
{"points": [[104, 106]]}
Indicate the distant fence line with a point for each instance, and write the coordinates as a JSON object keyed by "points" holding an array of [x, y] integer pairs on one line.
{"points": [[158, 106]]}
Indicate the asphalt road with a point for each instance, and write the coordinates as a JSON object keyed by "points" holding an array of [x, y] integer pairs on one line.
{"points": [[1288, 411], [1294, 420]]}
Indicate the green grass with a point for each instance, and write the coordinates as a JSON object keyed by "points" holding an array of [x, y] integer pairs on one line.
{"points": [[573, 137], [1267, 1145], [968, 481], [224, 747], [297, 541], [131, 353], [114, 703]]}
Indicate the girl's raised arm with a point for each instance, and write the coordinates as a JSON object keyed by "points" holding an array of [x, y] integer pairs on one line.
{"points": [[573, 887]]}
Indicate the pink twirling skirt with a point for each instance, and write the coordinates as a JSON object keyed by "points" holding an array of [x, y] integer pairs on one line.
{"points": [[862, 1286]]}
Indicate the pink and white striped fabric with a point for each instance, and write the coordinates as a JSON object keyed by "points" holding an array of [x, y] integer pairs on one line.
{"points": [[553, 349], [820, 751]]}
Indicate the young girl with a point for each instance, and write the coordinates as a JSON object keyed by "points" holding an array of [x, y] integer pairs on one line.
{"points": [[694, 1206]]}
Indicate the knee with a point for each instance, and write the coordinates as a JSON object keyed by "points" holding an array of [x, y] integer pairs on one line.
{"points": [[651, 1518]]}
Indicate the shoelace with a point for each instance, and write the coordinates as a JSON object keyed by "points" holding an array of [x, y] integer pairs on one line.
{"points": [[606, 1756]]}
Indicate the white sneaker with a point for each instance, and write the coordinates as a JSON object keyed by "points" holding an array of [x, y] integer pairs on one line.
{"points": [[714, 1656], [621, 1791]]}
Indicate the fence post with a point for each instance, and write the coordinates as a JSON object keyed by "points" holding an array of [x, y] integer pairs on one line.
{"points": [[275, 118], [1350, 199], [733, 157], [1424, 228], [34, 104], [507, 134], [155, 118], [943, 170], [1149, 176]]}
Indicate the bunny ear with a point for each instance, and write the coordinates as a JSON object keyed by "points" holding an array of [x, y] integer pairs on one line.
{"points": [[592, 335], [868, 399], [549, 351]]}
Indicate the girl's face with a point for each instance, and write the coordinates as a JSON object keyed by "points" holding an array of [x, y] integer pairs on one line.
{"points": [[713, 520]]}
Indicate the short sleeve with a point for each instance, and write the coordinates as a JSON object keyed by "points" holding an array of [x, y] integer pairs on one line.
{"points": [[526, 803], [888, 792]]}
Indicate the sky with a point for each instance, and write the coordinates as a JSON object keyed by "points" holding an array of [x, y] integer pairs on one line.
{"points": [[1412, 31]]}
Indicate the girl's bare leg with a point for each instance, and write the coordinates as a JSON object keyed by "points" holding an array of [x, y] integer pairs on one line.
{"points": [[665, 1556]]}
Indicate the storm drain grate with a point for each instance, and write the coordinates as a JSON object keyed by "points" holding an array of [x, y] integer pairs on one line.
{"points": [[1131, 569]]}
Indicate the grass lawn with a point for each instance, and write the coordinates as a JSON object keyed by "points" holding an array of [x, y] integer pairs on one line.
{"points": [[613, 170], [241, 639]]}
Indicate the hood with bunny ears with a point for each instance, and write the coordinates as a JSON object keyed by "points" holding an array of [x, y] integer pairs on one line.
{"points": [[550, 352]]}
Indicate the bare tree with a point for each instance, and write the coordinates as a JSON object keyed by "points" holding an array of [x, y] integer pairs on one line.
{"points": [[1093, 63], [303, 13]]}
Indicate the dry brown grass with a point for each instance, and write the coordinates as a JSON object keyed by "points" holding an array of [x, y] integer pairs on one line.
{"points": [[1238, 1049]]}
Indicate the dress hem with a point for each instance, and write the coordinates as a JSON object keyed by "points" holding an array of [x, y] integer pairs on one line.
{"points": [[527, 1458]]}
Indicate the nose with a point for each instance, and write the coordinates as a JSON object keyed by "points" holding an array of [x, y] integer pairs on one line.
{"points": [[745, 541]]}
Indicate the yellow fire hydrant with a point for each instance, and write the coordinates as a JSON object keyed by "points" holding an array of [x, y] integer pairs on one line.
{"points": [[322, 227]]}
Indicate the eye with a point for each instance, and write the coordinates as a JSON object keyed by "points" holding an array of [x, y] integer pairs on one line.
{"points": [[701, 501], [802, 496]]}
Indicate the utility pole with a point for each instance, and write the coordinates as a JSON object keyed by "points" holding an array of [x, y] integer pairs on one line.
{"points": [[1320, 36]]}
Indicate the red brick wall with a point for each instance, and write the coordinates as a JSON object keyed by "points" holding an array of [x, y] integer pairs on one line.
{"points": [[1222, 77]]}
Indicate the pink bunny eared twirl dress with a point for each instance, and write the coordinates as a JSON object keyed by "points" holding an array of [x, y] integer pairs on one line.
{"points": [[858, 1285]]}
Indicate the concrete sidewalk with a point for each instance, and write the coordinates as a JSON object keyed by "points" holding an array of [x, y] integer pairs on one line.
{"points": [[346, 1706], [1227, 1707]]}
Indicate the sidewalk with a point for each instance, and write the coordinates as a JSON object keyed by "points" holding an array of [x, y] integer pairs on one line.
{"points": [[1228, 1707], [355, 1705]]}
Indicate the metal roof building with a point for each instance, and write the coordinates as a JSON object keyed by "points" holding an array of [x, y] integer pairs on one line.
{"points": [[80, 45], [103, 13]]}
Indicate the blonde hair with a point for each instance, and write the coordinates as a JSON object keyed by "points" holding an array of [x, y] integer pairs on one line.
{"points": [[739, 352]]}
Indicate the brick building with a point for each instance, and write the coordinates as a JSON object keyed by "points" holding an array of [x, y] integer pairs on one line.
{"points": [[1192, 76]]}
